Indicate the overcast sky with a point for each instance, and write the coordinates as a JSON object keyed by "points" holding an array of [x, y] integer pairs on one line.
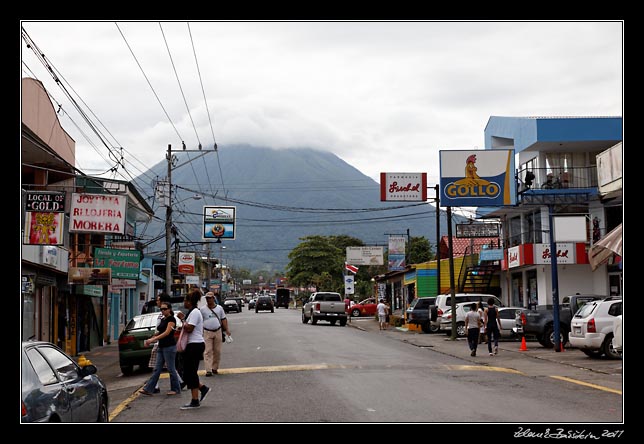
{"points": [[383, 96]]}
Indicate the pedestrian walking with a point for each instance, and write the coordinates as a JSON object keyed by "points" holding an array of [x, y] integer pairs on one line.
{"points": [[492, 326], [193, 325], [214, 319], [166, 352], [472, 326], [482, 335], [152, 363], [382, 314]]}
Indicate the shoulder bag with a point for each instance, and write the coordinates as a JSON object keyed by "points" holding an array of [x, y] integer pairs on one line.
{"points": [[221, 326], [182, 343]]}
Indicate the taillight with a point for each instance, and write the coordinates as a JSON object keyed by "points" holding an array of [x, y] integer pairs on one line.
{"points": [[23, 408], [317, 307], [448, 316], [591, 327], [124, 340], [524, 319], [439, 312]]}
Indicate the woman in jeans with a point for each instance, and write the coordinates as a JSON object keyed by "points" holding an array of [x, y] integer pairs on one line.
{"points": [[166, 353], [193, 325]]}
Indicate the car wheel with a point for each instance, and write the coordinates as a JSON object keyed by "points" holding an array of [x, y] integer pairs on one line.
{"points": [[305, 320], [460, 330], [313, 320], [103, 416], [426, 327], [272, 310], [549, 337], [332, 322], [434, 328], [355, 313], [608, 349], [127, 369], [592, 353], [256, 311], [343, 322]]}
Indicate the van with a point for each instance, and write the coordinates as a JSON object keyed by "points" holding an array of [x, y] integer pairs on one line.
{"points": [[444, 301]]}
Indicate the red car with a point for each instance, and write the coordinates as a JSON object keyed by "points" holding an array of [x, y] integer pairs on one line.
{"points": [[363, 308]]}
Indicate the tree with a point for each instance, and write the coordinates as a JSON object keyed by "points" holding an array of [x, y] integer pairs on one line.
{"points": [[420, 250], [319, 261]]}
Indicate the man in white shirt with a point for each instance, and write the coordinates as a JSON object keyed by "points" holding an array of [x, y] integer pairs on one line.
{"points": [[214, 319], [382, 314]]}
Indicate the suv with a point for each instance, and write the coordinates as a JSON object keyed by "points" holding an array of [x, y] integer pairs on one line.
{"points": [[264, 303], [592, 328], [444, 301], [419, 313]]}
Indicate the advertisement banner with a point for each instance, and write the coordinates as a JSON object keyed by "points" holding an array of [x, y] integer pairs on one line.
{"points": [[218, 223], [124, 263], [477, 178], [89, 276], [186, 263], [97, 213], [565, 253], [409, 187], [396, 259], [44, 218], [365, 255]]}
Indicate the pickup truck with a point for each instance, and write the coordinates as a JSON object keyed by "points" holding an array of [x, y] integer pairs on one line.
{"points": [[324, 306], [539, 322]]}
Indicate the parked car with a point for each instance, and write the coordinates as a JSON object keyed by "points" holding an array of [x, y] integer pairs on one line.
{"points": [[132, 350], [461, 310], [592, 328], [617, 333], [419, 313], [231, 305], [444, 301], [264, 303], [55, 388], [508, 315], [366, 307]]}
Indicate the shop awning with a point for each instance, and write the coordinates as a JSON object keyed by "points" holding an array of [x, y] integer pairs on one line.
{"points": [[606, 247]]}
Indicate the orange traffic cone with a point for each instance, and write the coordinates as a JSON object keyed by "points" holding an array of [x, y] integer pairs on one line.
{"points": [[524, 346]]}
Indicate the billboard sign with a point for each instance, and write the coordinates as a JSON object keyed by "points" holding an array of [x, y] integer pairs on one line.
{"points": [[218, 223], [186, 263], [410, 187], [365, 255], [477, 178], [477, 230]]}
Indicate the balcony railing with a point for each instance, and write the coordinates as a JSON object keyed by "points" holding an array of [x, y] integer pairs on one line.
{"points": [[556, 178]]}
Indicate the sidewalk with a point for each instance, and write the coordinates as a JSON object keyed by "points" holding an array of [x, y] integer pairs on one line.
{"points": [[535, 361]]}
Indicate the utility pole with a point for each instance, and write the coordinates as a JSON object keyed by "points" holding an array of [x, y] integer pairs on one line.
{"points": [[172, 160], [451, 271], [438, 240], [168, 226]]}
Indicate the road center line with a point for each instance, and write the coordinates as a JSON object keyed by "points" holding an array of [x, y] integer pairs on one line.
{"points": [[588, 384]]}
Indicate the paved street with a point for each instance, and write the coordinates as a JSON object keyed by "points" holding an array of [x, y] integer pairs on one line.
{"points": [[280, 370]]}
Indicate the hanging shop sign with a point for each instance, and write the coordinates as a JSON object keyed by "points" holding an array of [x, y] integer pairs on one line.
{"points": [[365, 255], [125, 264], [477, 230], [97, 213], [186, 263], [44, 218]]}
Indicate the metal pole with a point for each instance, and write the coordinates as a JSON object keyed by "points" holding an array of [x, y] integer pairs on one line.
{"points": [[555, 281], [168, 226], [209, 273], [451, 271], [438, 240]]}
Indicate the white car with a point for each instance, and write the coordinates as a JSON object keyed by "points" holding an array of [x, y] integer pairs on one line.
{"points": [[507, 316], [591, 328], [617, 333]]}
